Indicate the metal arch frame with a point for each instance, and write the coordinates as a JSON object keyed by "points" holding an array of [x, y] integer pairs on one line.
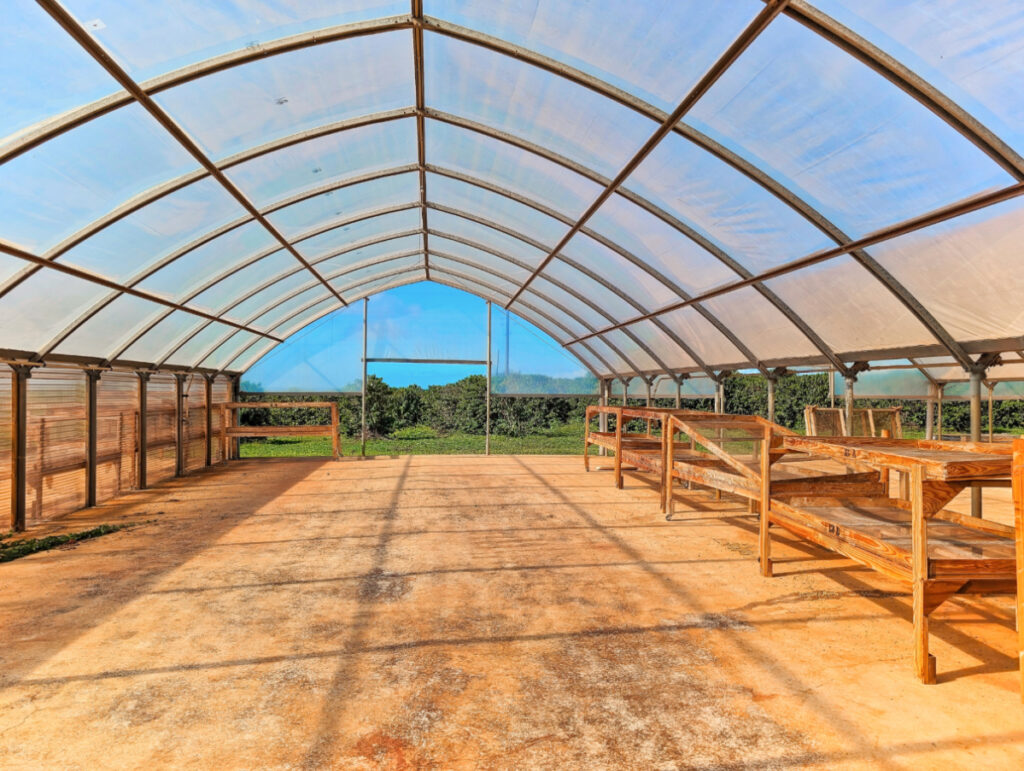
{"points": [[416, 6], [96, 51], [822, 24]]}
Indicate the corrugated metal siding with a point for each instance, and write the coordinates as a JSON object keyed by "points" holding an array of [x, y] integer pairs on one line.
{"points": [[6, 383], [195, 426], [56, 457], [160, 429], [117, 421]]}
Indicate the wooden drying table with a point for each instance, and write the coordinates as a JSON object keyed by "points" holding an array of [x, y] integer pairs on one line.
{"points": [[939, 553], [230, 430]]}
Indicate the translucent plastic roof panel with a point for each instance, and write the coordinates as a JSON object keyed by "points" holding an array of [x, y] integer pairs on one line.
{"points": [[229, 350], [476, 232], [830, 294], [171, 330], [276, 315], [298, 321], [656, 49], [509, 167], [326, 160], [241, 107], [609, 363], [703, 338], [43, 71], [760, 325], [143, 237], [447, 247], [503, 93], [369, 253], [225, 252], [150, 38], [659, 245], [740, 216], [352, 277], [347, 203], [386, 283], [506, 286], [666, 349], [41, 306], [966, 271], [325, 244], [631, 350], [644, 288], [200, 344], [244, 280], [261, 300], [864, 152], [498, 208], [111, 327], [64, 184], [972, 50]]}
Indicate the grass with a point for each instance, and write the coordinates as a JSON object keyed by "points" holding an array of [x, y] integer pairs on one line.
{"points": [[12, 550], [563, 440]]}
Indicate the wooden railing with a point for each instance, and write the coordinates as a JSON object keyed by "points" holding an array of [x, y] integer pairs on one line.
{"points": [[231, 430]]}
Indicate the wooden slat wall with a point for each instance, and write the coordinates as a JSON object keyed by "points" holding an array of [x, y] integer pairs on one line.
{"points": [[55, 462], [221, 394], [160, 429], [5, 446], [117, 413], [195, 427]]}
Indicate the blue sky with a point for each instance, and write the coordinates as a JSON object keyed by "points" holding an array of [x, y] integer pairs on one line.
{"points": [[420, 321]]}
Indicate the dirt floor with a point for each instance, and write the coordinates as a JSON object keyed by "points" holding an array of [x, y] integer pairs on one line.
{"points": [[470, 612]]}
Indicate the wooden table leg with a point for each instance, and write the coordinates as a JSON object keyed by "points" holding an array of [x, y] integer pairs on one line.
{"points": [[618, 449], [924, 662]]}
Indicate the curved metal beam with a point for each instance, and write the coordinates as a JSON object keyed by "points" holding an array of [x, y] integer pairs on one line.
{"points": [[421, 142]]}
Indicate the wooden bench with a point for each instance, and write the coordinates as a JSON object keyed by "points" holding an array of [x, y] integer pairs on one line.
{"points": [[231, 430]]}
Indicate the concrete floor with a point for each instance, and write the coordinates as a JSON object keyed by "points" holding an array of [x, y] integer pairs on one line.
{"points": [[469, 612]]}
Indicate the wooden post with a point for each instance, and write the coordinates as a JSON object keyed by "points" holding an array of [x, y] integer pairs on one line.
{"points": [[669, 430], [771, 399], [1018, 518], [588, 416], [487, 419], [92, 377], [719, 397], [975, 392], [991, 411], [647, 387], [679, 394], [924, 662], [602, 421], [362, 441], [208, 396], [618, 448], [236, 416], [764, 537], [625, 392], [19, 444], [938, 407], [180, 411], [143, 428], [225, 444], [831, 387], [335, 439]]}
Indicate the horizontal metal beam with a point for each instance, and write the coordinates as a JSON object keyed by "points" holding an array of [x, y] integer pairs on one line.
{"points": [[373, 360]]}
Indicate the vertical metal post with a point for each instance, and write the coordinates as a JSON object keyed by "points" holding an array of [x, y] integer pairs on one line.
{"points": [[487, 420], [991, 411], [929, 414], [679, 394], [771, 400], [180, 412], [143, 425], [975, 392], [362, 441], [605, 387], [720, 396], [92, 377], [938, 408], [625, 392], [208, 396], [831, 387], [19, 444], [236, 415], [848, 404]]}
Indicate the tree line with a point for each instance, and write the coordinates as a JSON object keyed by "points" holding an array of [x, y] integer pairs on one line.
{"points": [[460, 407]]}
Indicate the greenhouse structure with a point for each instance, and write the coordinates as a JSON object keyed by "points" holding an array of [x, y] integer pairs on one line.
{"points": [[228, 226]]}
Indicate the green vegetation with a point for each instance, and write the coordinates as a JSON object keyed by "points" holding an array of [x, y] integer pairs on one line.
{"points": [[12, 550], [450, 419]]}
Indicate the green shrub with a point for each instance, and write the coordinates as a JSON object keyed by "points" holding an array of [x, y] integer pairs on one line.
{"points": [[415, 432]]}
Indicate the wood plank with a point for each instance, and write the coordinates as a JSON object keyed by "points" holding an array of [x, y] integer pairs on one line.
{"points": [[1018, 518]]}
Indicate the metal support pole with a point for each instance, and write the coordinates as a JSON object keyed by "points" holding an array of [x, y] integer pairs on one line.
{"points": [[605, 387], [975, 392], [771, 400], [832, 387], [92, 377], [236, 414], [143, 424], [625, 391], [362, 441], [991, 411], [19, 444], [849, 380], [929, 414], [180, 412], [208, 396], [679, 394], [487, 420], [720, 396], [938, 408]]}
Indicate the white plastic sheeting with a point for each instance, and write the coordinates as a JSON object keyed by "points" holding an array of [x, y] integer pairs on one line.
{"points": [[137, 140]]}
